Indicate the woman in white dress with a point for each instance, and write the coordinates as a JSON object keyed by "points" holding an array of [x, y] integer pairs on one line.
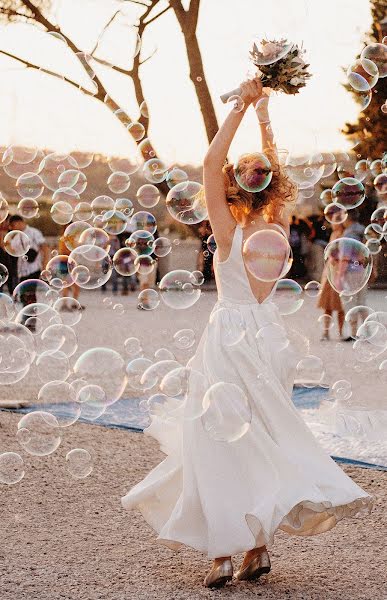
{"points": [[241, 463]]}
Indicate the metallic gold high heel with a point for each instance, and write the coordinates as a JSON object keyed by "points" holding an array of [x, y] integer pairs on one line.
{"points": [[219, 576], [259, 565]]}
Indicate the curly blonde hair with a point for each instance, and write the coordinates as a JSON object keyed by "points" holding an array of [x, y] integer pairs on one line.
{"points": [[280, 191]]}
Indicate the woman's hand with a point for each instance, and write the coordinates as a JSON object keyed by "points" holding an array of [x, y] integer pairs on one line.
{"points": [[251, 90]]}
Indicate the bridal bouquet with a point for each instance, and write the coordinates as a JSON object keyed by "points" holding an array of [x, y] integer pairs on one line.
{"points": [[280, 65]]}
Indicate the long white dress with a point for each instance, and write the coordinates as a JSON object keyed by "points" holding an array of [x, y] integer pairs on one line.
{"points": [[225, 497]]}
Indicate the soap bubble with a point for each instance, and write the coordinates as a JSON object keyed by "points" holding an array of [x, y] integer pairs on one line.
{"points": [[59, 399], [69, 310], [16, 243], [79, 463], [313, 289], [94, 236], [175, 176], [374, 246], [29, 185], [376, 167], [124, 205], [61, 213], [179, 290], [96, 260], [330, 164], [211, 243], [229, 325], [161, 247], [380, 183], [379, 219], [335, 213], [39, 433], [72, 234], [4, 209], [3, 274], [114, 222], [148, 299], [103, 367], [124, 261], [267, 255], [288, 296], [377, 54], [184, 338], [133, 347], [348, 192], [59, 274], [148, 195], [155, 170], [101, 204], [72, 178], [236, 103], [11, 468], [141, 242], [363, 75], [342, 390], [52, 166], [136, 130], [361, 170], [83, 159], [310, 371], [28, 208], [349, 265], [118, 182], [186, 203], [253, 172], [7, 307], [144, 221], [60, 337], [267, 53], [53, 366], [123, 165], [305, 170], [82, 212], [228, 414], [135, 370]]}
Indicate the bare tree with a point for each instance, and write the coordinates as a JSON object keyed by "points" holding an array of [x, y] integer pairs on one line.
{"points": [[25, 10]]}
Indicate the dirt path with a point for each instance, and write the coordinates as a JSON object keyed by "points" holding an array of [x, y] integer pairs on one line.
{"points": [[70, 539]]}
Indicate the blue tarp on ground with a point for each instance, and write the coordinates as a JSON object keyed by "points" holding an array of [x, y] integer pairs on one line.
{"points": [[127, 413]]}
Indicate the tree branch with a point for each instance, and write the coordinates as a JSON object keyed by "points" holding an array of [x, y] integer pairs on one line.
{"points": [[30, 65], [39, 17], [13, 13], [103, 31], [194, 12], [146, 23]]}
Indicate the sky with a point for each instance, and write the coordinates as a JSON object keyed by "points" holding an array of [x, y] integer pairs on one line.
{"points": [[41, 111]]}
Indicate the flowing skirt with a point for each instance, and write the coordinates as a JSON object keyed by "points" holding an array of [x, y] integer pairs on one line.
{"points": [[221, 492]]}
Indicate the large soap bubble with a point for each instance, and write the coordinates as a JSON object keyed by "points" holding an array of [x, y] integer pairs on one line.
{"points": [[349, 265], [348, 192], [377, 53], [105, 368], [186, 202], [11, 468], [228, 414], [95, 260], [253, 172], [39, 433], [179, 289], [267, 255]]}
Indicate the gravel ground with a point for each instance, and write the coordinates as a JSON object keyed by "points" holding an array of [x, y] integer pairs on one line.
{"points": [[70, 539]]}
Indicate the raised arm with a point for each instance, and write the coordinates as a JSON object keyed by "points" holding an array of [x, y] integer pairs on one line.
{"points": [[267, 136], [221, 219]]}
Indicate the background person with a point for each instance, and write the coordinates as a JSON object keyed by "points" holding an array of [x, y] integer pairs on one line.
{"points": [[37, 256]]}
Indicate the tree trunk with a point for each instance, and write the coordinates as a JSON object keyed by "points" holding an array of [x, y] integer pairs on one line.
{"points": [[188, 20], [201, 88]]}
